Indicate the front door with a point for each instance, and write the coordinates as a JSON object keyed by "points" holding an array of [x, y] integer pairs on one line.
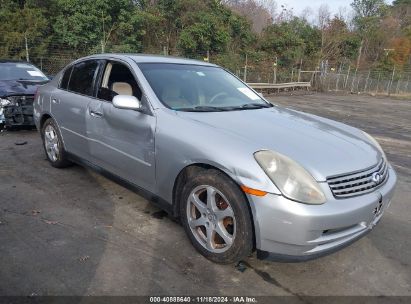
{"points": [[122, 141]]}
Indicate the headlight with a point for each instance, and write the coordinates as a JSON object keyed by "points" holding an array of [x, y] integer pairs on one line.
{"points": [[375, 142], [4, 102], [290, 178]]}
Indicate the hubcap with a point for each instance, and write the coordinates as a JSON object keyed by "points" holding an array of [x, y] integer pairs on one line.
{"points": [[211, 218], [51, 143]]}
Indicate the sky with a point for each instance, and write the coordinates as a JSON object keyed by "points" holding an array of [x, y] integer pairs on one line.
{"points": [[334, 5]]}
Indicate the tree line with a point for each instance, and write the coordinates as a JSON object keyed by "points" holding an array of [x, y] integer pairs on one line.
{"points": [[372, 34]]}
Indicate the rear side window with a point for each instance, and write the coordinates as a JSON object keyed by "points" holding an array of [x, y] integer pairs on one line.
{"points": [[66, 78], [82, 77]]}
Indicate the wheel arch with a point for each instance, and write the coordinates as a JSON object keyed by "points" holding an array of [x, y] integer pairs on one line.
{"points": [[43, 119], [196, 168]]}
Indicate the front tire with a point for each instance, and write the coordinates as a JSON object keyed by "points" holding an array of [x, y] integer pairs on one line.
{"points": [[53, 145], [216, 217]]}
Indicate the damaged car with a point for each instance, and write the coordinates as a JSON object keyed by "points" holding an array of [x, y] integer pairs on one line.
{"points": [[19, 81]]}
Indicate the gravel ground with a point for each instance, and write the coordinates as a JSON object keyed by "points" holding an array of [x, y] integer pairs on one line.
{"points": [[73, 232]]}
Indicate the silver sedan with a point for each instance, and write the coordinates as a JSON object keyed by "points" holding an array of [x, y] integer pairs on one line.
{"points": [[240, 173]]}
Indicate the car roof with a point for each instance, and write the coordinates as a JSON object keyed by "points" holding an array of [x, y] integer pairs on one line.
{"points": [[145, 58]]}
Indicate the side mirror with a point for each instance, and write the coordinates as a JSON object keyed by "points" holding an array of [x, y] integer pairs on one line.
{"points": [[126, 102]]}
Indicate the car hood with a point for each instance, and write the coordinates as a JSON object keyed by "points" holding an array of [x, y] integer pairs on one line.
{"points": [[323, 147], [19, 87]]}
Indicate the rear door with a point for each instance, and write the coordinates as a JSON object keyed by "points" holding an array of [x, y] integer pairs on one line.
{"points": [[70, 103], [122, 141]]}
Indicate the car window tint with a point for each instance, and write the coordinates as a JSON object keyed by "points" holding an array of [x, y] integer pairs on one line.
{"points": [[120, 82], [82, 77], [65, 79]]}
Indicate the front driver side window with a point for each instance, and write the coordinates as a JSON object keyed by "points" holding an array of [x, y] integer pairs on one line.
{"points": [[118, 80]]}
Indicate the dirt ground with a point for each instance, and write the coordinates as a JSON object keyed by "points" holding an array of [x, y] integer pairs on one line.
{"points": [[73, 232]]}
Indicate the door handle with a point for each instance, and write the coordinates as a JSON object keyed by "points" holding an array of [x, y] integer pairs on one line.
{"points": [[96, 114], [54, 100]]}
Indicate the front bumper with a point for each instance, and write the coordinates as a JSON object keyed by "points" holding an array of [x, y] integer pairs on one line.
{"points": [[291, 231], [19, 112]]}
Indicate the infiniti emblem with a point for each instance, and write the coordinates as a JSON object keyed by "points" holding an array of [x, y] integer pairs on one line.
{"points": [[376, 177]]}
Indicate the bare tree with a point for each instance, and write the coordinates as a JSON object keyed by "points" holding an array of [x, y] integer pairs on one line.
{"points": [[260, 13], [306, 14], [345, 14], [286, 14], [367, 8], [367, 14], [323, 19], [270, 6]]}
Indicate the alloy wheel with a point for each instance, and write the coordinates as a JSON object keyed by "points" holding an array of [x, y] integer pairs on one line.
{"points": [[211, 218], [51, 143]]}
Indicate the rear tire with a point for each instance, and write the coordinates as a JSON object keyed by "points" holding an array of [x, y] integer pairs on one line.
{"points": [[53, 145], [216, 217]]}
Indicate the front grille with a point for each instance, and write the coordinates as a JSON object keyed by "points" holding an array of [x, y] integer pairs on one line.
{"points": [[358, 183]]}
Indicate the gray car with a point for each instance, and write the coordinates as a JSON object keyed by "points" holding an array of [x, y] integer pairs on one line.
{"points": [[240, 173]]}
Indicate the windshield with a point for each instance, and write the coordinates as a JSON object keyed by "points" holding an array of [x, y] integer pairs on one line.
{"points": [[185, 87], [20, 71]]}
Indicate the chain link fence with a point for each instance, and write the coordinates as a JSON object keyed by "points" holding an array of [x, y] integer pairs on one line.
{"points": [[372, 81], [253, 70]]}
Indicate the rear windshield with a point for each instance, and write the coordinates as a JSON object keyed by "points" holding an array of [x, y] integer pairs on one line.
{"points": [[20, 71]]}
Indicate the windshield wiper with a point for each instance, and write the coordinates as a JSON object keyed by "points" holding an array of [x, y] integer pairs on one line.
{"points": [[246, 106], [201, 109], [31, 80], [256, 105], [253, 106]]}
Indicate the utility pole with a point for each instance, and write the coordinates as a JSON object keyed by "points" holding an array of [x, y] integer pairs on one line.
{"points": [[299, 71], [103, 42], [27, 47]]}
